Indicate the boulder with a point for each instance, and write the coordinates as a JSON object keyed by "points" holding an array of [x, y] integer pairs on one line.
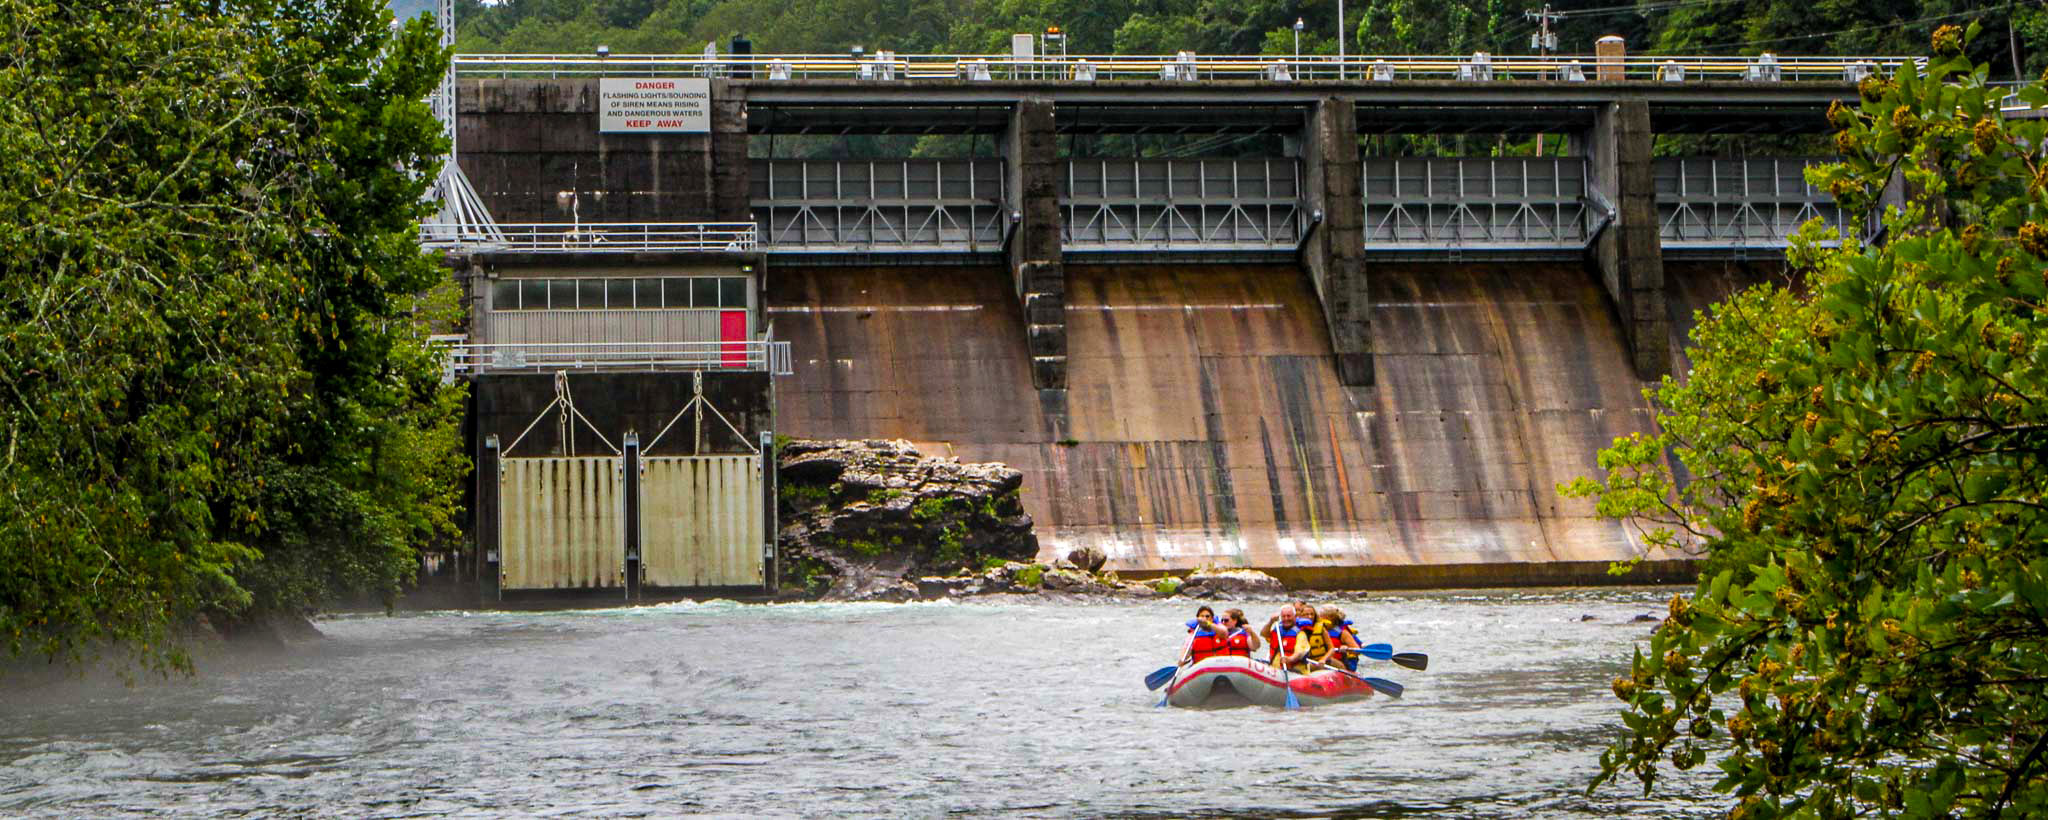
{"points": [[1230, 583], [1087, 558]]}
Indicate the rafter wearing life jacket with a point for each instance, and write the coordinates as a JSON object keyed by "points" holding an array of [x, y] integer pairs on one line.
{"points": [[1207, 644], [1318, 640], [1337, 639], [1282, 646], [1238, 643]]}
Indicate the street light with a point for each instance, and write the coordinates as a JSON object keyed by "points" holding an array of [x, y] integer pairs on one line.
{"points": [[1340, 39], [1298, 26]]}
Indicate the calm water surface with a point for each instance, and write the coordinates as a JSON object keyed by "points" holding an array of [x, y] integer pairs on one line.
{"points": [[995, 707]]}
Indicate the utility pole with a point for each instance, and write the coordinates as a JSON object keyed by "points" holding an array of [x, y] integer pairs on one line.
{"points": [[1542, 42]]}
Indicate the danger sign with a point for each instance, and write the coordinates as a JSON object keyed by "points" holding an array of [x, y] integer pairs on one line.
{"points": [[649, 105]]}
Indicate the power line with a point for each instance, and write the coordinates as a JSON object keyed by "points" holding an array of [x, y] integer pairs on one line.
{"points": [[1859, 29], [1645, 8]]}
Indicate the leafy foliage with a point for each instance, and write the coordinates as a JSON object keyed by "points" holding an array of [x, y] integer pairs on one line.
{"points": [[215, 393], [1868, 453]]}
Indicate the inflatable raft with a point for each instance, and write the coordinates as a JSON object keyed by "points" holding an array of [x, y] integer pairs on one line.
{"points": [[1234, 681]]}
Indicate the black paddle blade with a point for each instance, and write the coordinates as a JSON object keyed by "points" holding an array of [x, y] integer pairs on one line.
{"points": [[1385, 687], [1413, 660], [1160, 677]]}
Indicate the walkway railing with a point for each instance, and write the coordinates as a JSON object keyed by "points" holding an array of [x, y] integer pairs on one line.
{"points": [[1183, 67], [471, 359], [608, 237]]}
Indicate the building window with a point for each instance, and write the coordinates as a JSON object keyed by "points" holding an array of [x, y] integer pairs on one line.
{"points": [[672, 293]]}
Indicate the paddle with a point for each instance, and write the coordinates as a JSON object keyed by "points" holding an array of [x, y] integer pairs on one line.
{"points": [[1160, 677], [1279, 652], [1172, 672], [1385, 652], [1380, 685]]}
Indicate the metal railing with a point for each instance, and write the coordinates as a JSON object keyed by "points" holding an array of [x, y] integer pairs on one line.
{"points": [[1184, 67], [1181, 204], [772, 357], [608, 237]]}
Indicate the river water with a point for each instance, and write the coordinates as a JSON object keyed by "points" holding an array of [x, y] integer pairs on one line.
{"points": [[1006, 706]]}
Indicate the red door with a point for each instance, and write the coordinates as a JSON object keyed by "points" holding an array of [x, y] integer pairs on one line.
{"points": [[732, 333]]}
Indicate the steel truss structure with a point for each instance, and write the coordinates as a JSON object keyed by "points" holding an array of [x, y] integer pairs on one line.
{"points": [[840, 206], [1181, 204], [1715, 203], [462, 218], [1480, 204]]}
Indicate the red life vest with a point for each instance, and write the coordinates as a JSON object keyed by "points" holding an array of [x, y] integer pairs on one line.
{"points": [[1205, 646], [1281, 645], [1239, 643]]}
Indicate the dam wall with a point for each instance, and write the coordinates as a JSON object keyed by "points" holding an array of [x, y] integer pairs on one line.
{"points": [[1205, 423]]}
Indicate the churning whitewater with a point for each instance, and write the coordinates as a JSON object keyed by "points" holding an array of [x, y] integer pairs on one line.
{"points": [[1025, 708]]}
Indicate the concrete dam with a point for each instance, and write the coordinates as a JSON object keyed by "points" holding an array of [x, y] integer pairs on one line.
{"points": [[1346, 369], [1203, 422]]}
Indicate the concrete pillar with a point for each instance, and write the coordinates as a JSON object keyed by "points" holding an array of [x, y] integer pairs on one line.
{"points": [[1031, 160], [731, 191], [1335, 251], [1628, 251]]}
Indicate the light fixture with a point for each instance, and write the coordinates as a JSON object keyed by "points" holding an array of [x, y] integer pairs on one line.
{"points": [[604, 51]]}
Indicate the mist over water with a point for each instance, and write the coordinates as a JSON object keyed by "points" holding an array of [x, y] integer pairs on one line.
{"points": [[1007, 706]]}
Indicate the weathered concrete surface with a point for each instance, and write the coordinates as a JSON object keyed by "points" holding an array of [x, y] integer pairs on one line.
{"points": [[1031, 160], [1334, 255], [1206, 425], [1629, 253], [532, 150]]}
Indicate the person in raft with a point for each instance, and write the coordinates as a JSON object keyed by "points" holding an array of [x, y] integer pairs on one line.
{"points": [[1326, 640], [1208, 640], [1343, 639], [1238, 639], [1285, 634]]}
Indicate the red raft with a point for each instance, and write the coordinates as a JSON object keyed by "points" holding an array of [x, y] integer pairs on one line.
{"points": [[1233, 681]]}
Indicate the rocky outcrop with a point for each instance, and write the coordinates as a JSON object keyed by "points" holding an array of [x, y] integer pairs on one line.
{"points": [[862, 520], [1231, 583]]}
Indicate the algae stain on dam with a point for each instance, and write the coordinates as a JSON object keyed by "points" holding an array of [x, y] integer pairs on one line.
{"points": [[1204, 423]]}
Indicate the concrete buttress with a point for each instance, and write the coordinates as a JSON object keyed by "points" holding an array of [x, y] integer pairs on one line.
{"points": [[1335, 251], [1031, 161], [1629, 252]]}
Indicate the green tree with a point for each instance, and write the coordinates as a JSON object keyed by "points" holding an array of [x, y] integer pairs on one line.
{"points": [[215, 395], [1866, 461]]}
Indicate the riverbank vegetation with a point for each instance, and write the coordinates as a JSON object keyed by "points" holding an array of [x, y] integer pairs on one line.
{"points": [[1865, 455], [216, 401]]}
